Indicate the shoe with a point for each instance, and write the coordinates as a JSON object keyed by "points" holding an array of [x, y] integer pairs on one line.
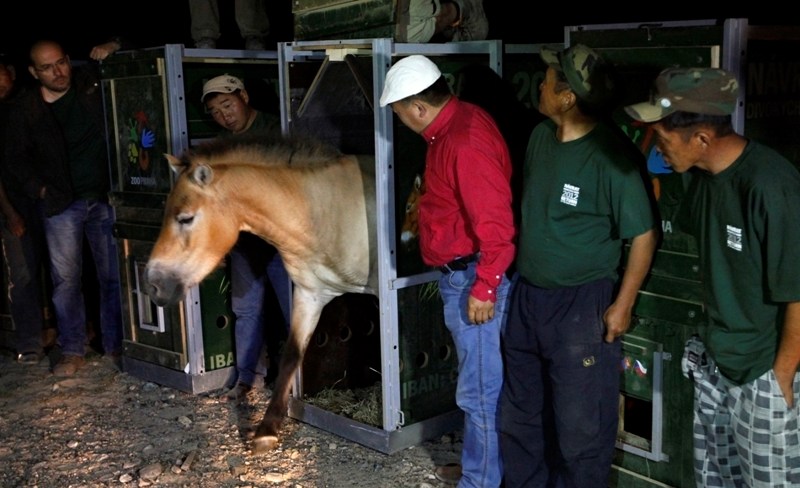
{"points": [[472, 24], [237, 393], [254, 43], [68, 365], [29, 357], [449, 473], [205, 43]]}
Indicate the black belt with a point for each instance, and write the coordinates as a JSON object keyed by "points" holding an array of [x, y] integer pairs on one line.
{"points": [[459, 264]]}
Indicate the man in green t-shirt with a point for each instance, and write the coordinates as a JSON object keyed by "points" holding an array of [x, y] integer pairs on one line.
{"points": [[743, 207], [255, 264], [583, 197]]}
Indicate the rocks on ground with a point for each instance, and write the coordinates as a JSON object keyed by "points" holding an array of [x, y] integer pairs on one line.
{"points": [[104, 428]]}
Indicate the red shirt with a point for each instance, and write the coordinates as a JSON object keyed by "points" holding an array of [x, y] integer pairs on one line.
{"points": [[466, 207]]}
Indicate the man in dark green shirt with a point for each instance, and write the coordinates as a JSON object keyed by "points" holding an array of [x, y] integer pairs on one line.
{"points": [[583, 197], [743, 207]]}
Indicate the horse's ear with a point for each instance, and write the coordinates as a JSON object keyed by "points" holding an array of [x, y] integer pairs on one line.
{"points": [[417, 182], [202, 174], [174, 163]]}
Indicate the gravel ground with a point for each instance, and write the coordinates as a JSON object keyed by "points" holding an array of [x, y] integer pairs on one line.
{"points": [[105, 428]]}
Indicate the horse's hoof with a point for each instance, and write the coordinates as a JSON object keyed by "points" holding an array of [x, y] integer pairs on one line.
{"points": [[264, 444]]}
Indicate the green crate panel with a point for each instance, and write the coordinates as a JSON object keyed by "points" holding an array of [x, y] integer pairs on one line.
{"points": [[429, 366], [349, 20]]}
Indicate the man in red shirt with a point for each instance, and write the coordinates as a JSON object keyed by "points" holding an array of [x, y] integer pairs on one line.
{"points": [[466, 229]]}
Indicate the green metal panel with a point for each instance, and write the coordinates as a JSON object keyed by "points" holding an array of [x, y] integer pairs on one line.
{"points": [[671, 264], [637, 363], [669, 37], [359, 19], [677, 398], [772, 101], [429, 366], [157, 340], [217, 320]]}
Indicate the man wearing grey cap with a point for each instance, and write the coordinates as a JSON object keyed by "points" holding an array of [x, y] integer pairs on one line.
{"points": [[743, 207], [466, 230], [583, 199]]}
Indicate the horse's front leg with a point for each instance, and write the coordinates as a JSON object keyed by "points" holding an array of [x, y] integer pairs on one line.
{"points": [[307, 306]]}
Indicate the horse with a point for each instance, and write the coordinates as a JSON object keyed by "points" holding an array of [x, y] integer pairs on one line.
{"points": [[410, 229], [315, 205]]}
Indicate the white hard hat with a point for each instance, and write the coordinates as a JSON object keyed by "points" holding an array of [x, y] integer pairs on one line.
{"points": [[407, 77]]}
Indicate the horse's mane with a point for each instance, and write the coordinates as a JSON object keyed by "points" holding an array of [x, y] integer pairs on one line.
{"points": [[299, 151]]}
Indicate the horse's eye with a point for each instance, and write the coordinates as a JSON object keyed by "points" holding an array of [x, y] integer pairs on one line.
{"points": [[185, 219]]}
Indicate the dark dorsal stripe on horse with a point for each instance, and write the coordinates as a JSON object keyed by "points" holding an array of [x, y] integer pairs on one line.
{"points": [[297, 151]]}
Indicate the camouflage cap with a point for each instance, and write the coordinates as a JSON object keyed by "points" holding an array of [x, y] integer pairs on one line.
{"points": [[588, 73], [709, 91]]}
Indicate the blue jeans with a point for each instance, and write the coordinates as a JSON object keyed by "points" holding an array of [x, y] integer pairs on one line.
{"points": [[65, 234], [253, 261], [559, 406], [480, 377], [24, 258]]}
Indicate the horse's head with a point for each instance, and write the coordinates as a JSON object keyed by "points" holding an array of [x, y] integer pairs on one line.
{"points": [[408, 235], [196, 233]]}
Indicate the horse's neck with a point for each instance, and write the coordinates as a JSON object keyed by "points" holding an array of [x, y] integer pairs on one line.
{"points": [[257, 197]]}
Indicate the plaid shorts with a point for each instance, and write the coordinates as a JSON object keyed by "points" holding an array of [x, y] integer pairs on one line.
{"points": [[744, 435]]}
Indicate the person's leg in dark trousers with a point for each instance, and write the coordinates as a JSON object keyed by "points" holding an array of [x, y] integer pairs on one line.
{"points": [[522, 403], [584, 374], [559, 374], [24, 257]]}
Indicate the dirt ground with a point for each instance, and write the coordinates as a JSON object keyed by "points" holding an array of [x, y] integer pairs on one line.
{"points": [[104, 428]]}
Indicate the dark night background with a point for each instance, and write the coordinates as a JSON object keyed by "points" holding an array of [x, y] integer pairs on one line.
{"points": [[79, 25]]}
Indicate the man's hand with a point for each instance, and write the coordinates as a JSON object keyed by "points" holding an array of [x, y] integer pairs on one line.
{"points": [[16, 224], [479, 312], [102, 51], [617, 319]]}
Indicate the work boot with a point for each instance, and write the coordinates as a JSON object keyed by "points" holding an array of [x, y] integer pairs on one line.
{"points": [[254, 43], [472, 24], [68, 365], [205, 43], [449, 473], [237, 394]]}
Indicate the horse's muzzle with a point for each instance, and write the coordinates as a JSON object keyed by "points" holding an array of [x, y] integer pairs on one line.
{"points": [[163, 288]]}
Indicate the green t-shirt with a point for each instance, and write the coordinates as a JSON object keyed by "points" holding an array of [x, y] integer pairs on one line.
{"points": [[266, 122], [746, 220], [580, 200]]}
